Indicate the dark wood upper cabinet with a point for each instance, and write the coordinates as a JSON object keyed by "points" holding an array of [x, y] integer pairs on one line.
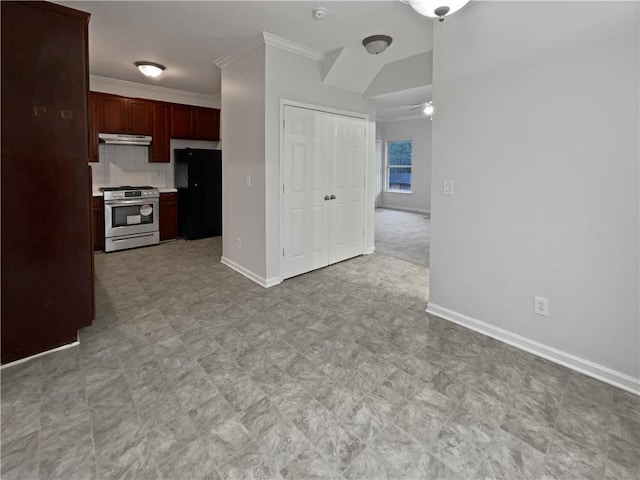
{"points": [[45, 188], [112, 114], [140, 116], [208, 123], [182, 121], [197, 123], [160, 150], [163, 121], [124, 115]]}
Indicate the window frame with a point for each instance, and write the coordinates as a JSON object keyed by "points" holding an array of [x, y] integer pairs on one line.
{"points": [[388, 167]]}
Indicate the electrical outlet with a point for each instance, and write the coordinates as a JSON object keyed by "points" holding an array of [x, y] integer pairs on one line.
{"points": [[541, 306], [238, 244], [447, 187]]}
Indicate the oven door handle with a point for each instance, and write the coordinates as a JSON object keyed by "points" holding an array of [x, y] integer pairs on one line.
{"points": [[131, 202]]}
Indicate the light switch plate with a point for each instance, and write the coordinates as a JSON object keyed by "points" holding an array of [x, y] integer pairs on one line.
{"points": [[447, 187]]}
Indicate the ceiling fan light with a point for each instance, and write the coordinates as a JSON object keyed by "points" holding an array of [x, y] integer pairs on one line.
{"points": [[376, 44], [428, 109], [437, 8], [150, 69]]}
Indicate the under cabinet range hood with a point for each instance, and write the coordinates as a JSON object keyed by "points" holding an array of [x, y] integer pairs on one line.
{"points": [[120, 139]]}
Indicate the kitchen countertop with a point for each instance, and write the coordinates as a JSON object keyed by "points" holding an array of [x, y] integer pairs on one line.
{"points": [[98, 193]]}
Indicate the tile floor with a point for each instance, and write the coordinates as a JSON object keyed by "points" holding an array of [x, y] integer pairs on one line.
{"points": [[193, 372]]}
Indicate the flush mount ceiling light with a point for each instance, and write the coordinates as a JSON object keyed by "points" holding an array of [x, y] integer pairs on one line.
{"points": [[437, 8], [150, 69], [376, 44]]}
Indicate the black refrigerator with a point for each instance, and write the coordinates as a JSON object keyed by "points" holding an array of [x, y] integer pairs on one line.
{"points": [[198, 178]]}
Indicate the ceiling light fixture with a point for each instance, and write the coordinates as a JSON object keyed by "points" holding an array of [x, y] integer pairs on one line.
{"points": [[437, 8], [150, 69], [376, 44]]}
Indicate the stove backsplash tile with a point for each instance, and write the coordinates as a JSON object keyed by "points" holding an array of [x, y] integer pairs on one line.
{"points": [[129, 165]]}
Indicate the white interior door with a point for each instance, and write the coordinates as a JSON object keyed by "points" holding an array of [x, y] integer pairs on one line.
{"points": [[305, 245], [346, 217], [323, 189]]}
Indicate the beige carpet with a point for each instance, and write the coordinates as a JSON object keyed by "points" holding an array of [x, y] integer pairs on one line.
{"points": [[405, 235]]}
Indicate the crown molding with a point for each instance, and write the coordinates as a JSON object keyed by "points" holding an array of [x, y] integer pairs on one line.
{"points": [[152, 88], [266, 38], [292, 47], [237, 54]]}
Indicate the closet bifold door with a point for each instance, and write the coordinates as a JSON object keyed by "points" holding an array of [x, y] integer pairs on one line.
{"points": [[347, 175], [306, 149], [323, 189]]}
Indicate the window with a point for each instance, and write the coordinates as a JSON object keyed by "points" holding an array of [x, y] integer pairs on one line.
{"points": [[399, 166]]}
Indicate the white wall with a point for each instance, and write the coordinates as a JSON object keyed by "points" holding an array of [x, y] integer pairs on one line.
{"points": [[537, 125], [419, 132], [243, 134], [293, 77]]}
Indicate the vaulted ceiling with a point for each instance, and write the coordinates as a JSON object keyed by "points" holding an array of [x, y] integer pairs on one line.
{"points": [[187, 37]]}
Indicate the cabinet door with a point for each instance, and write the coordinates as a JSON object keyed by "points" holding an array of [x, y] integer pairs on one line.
{"points": [[140, 117], [45, 212], [93, 128], [168, 216], [160, 150], [97, 223], [182, 121], [208, 123], [112, 114]]}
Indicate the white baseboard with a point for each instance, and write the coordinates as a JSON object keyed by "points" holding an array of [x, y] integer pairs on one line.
{"points": [[592, 369], [41, 354], [406, 209], [263, 282]]}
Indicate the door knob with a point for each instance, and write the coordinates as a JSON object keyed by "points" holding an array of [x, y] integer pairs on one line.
{"points": [[332, 197], [327, 197]]}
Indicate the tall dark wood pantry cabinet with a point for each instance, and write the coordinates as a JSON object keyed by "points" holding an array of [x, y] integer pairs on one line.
{"points": [[47, 284]]}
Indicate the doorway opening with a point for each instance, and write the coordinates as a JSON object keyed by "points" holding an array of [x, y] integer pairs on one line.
{"points": [[403, 170]]}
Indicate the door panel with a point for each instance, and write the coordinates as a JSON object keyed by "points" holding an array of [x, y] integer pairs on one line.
{"points": [[347, 210], [304, 216]]}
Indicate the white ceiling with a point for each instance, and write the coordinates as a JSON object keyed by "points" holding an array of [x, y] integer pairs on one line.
{"points": [[187, 37]]}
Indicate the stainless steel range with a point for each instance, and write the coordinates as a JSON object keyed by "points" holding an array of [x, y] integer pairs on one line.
{"points": [[131, 217]]}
